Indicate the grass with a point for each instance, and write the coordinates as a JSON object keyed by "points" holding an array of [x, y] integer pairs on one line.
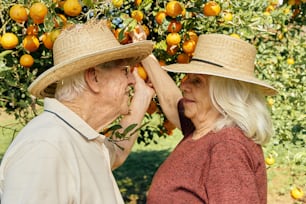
{"points": [[135, 175]]}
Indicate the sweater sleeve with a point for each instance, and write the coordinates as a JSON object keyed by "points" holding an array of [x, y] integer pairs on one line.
{"points": [[230, 177]]}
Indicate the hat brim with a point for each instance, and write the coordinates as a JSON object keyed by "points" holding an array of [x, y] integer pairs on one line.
{"points": [[208, 69], [44, 85]]}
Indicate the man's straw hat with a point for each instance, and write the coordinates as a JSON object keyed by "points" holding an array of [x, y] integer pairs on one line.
{"points": [[84, 46], [224, 56]]}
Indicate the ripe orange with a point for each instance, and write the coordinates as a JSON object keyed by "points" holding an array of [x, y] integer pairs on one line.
{"points": [[32, 30], [30, 43], [137, 2], [38, 12], [125, 38], [235, 35], [54, 34], [173, 39], [290, 61], [162, 62], [146, 29], [174, 9], [9, 41], [152, 107], [183, 58], [72, 7], [18, 13], [60, 20], [228, 17], [297, 193], [137, 15], [26, 60], [191, 35], [269, 160], [172, 50], [160, 16], [142, 72], [169, 126], [211, 8], [47, 41], [189, 46], [117, 3], [174, 26]]}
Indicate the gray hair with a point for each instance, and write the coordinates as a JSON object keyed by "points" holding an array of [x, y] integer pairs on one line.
{"points": [[71, 87], [242, 105]]}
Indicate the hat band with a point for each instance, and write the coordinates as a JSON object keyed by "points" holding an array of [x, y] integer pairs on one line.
{"points": [[205, 61]]}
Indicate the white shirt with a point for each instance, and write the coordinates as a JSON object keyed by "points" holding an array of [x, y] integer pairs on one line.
{"points": [[57, 158]]}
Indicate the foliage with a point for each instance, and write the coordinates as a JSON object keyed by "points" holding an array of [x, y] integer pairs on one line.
{"points": [[277, 31]]}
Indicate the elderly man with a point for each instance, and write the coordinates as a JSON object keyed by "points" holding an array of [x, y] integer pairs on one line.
{"points": [[60, 157]]}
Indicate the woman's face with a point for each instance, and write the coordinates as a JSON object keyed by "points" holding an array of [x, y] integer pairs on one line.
{"points": [[116, 85], [196, 99]]}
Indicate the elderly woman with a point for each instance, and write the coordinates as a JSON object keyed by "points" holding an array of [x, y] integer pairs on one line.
{"points": [[59, 157], [221, 110]]}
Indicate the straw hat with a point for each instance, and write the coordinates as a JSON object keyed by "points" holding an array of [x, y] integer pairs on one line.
{"points": [[84, 46], [223, 56]]}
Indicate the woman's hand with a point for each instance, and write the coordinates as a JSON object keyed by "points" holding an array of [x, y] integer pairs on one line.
{"points": [[138, 34]]}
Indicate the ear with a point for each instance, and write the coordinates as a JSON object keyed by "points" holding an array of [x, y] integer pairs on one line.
{"points": [[91, 80]]}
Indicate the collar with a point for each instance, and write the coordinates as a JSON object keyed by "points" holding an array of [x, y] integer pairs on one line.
{"points": [[69, 117]]}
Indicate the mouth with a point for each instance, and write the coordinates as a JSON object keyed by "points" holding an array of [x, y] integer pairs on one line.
{"points": [[187, 100]]}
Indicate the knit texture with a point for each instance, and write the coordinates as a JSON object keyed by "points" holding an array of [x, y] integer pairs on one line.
{"points": [[220, 167]]}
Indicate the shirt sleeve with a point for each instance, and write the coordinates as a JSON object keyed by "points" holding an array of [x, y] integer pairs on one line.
{"points": [[37, 174], [186, 124], [230, 178]]}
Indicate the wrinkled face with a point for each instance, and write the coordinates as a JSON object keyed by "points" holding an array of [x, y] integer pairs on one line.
{"points": [[116, 81], [196, 95]]}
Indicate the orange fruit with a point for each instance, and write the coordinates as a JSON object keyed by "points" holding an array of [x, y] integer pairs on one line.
{"points": [[72, 7], [174, 26], [137, 2], [54, 34], [211, 8], [30, 43], [146, 29], [32, 30], [60, 20], [173, 39], [169, 126], [174, 9], [228, 16], [38, 12], [26, 60], [152, 107], [189, 46], [290, 61], [137, 15], [235, 35], [18, 13], [142, 72], [183, 58], [160, 16], [9, 41], [125, 38], [162, 62], [191, 35], [47, 41], [172, 50], [117, 3]]}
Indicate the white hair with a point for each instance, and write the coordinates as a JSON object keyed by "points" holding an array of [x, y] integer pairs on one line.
{"points": [[71, 87], [242, 105]]}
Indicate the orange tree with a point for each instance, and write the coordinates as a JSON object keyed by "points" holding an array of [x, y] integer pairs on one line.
{"points": [[28, 29]]}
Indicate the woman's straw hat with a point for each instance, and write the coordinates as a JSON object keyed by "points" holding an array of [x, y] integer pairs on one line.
{"points": [[224, 56], [84, 46]]}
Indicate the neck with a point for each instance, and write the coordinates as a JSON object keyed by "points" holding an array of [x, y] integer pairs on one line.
{"points": [[93, 113], [205, 124]]}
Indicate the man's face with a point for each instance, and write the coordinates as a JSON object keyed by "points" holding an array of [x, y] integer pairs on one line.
{"points": [[116, 81]]}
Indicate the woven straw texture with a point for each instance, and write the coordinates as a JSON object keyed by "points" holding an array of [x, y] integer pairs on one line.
{"points": [[224, 56], [81, 47]]}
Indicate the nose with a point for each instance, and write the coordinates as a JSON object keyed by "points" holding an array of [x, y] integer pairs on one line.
{"points": [[185, 84]]}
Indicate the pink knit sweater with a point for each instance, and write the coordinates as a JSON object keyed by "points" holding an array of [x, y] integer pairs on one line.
{"points": [[219, 168]]}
